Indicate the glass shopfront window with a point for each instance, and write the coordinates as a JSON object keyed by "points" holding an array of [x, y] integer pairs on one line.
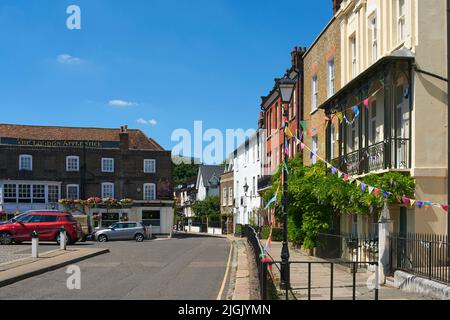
{"points": [[151, 218]]}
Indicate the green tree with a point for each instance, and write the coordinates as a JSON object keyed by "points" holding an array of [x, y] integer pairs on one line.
{"points": [[210, 207], [184, 171], [315, 195]]}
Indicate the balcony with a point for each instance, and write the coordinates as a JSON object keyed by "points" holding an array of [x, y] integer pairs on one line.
{"points": [[264, 183], [376, 158]]}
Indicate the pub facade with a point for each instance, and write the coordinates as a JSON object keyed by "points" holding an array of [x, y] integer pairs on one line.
{"points": [[40, 166]]}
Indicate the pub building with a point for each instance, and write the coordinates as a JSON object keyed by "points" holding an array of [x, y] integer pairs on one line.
{"points": [[41, 165]]}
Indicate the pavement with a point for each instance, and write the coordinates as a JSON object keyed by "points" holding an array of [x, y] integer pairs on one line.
{"points": [[185, 267], [342, 283], [242, 275]]}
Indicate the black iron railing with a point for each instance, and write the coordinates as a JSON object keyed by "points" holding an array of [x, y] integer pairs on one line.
{"points": [[264, 182], [392, 153], [422, 255], [346, 249]]}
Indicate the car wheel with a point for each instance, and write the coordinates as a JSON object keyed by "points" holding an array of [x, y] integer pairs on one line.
{"points": [[5, 238], [102, 238], [139, 237], [68, 239]]}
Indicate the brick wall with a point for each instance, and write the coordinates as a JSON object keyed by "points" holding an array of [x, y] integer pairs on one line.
{"points": [[327, 47]]}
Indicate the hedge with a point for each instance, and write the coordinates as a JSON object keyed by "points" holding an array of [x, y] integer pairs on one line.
{"points": [[277, 233]]}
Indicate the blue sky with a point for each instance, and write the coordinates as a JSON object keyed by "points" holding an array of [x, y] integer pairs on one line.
{"points": [[166, 62]]}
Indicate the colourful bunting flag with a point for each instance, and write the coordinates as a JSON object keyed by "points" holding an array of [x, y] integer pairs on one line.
{"points": [[363, 186], [412, 202], [371, 190], [288, 132], [339, 115], [286, 168], [304, 125], [376, 192], [426, 204], [272, 200], [445, 207], [385, 194], [419, 204], [406, 201], [333, 170], [358, 183], [356, 111], [311, 156], [366, 103], [302, 145], [345, 177]]}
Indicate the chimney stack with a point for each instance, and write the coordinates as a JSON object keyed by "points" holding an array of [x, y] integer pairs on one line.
{"points": [[297, 57], [124, 142]]}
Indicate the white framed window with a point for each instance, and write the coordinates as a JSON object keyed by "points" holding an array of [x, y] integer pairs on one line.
{"points": [[224, 197], [314, 93], [107, 190], [72, 163], [73, 191], [254, 186], [25, 162], [374, 34], [10, 193], [149, 166], [149, 192], [53, 193], [401, 13], [353, 55], [107, 165], [373, 123], [38, 193], [331, 75], [332, 142], [315, 148], [230, 196]]}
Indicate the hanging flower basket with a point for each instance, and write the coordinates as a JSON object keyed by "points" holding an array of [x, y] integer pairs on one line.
{"points": [[126, 203]]}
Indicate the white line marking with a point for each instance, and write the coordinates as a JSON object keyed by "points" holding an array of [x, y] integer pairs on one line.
{"points": [[226, 273]]}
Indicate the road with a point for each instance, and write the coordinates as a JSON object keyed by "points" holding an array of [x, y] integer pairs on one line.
{"points": [[186, 267]]}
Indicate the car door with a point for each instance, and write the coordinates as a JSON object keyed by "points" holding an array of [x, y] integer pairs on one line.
{"points": [[131, 230], [26, 226], [48, 228], [116, 232]]}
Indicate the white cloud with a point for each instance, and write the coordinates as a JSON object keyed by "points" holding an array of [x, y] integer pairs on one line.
{"points": [[151, 122], [68, 59], [121, 103]]}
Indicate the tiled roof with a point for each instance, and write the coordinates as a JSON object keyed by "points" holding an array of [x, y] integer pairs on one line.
{"points": [[137, 139]]}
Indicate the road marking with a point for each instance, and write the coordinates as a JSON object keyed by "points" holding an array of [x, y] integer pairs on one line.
{"points": [[153, 264], [206, 264], [226, 274]]}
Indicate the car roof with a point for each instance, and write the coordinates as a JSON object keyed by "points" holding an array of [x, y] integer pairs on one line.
{"points": [[48, 213]]}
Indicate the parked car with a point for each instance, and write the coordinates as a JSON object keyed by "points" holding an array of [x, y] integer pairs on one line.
{"points": [[47, 224], [122, 231]]}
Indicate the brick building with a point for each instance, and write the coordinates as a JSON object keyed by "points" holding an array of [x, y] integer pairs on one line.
{"points": [[41, 165], [322, 65], [271, 118]]}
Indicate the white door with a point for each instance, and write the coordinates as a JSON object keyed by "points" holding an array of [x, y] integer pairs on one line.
{"points": [[402, 128]]}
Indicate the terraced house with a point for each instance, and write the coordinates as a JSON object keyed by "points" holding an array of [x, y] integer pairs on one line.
{"points": [[392, 102], [41, 165]]}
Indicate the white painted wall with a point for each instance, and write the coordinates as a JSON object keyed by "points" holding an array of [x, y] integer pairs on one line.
{"points": [[248, 171]]}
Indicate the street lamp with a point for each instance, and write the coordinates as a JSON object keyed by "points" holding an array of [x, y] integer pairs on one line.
{"points": [[285, 89]]}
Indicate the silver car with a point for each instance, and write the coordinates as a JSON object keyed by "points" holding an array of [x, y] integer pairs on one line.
{"points": [[122, 231]]}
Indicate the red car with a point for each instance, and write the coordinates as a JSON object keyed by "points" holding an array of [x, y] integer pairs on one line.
{"points": [[47, 224]]}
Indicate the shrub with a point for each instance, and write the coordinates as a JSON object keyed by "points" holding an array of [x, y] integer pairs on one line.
{"points": [[277, 233], [239, 230]]}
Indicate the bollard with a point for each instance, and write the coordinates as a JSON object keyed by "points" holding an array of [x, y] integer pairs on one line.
{"points": [[150, 233], [62, 239], [34, 245]]}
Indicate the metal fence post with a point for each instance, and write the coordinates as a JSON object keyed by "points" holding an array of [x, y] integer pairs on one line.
{"points": [[354, 280], [430, 253]]}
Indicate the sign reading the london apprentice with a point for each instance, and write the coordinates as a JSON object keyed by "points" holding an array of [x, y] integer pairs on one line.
{"points": [[59, 143]]}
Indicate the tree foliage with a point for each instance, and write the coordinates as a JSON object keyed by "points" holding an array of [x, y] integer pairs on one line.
{"points": [[315, 195], [184, 171], [210, 207]]}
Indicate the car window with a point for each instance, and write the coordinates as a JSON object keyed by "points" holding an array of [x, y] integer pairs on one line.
{"points": [[132, 225], [35, 219], [70, 218], [22, 217], [49, 219]]}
